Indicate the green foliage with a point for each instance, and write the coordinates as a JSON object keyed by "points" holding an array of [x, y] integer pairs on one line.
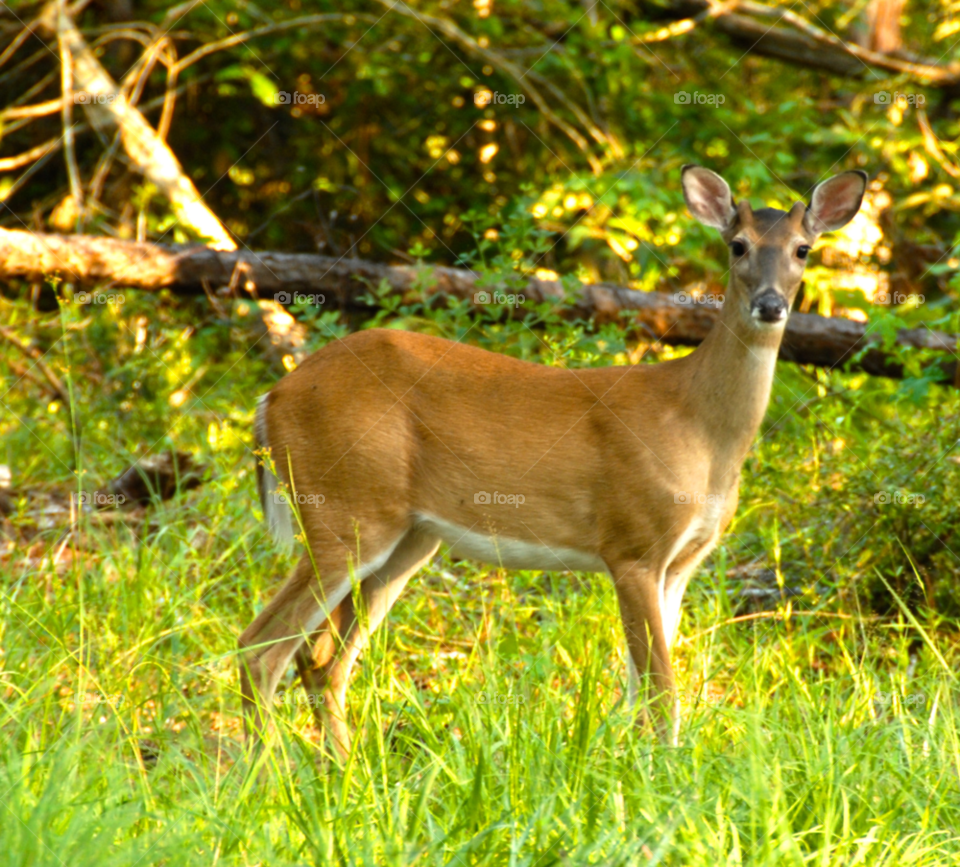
{"points": [[493, 722]]}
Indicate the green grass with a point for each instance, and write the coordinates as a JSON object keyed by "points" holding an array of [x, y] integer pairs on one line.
{"points": [[493, 727]]}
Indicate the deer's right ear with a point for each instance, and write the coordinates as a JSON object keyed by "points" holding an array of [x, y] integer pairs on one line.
{"points": [[708, 197], [835, 202]]}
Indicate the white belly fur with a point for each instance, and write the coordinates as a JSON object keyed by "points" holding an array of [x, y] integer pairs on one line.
{"points": [[507, 552]]}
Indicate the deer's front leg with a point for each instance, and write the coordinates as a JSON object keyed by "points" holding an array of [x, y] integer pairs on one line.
{"points": [[640, 609]]}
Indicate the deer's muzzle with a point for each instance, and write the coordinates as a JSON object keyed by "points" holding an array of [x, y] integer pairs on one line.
{"points": [[769, 306]]}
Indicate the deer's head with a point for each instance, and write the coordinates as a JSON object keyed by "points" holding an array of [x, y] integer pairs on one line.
{"points": [[769, 247]]}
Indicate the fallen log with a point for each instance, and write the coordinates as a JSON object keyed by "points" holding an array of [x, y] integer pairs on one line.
{"points": [[85, 260], [155, 477]]}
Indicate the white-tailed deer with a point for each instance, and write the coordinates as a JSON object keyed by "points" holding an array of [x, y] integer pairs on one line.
{"points": [[395, 443]]}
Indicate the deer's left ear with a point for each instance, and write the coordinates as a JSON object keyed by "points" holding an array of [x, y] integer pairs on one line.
{"points": [[708, 197], [835, 202]]}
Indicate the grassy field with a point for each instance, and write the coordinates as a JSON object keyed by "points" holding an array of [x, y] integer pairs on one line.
{"points": [[817, 659]]}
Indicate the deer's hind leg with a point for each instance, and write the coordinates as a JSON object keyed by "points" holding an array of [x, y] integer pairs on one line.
{"points": [[268, 644], [315, 656], [320, 582], [379, 591]]}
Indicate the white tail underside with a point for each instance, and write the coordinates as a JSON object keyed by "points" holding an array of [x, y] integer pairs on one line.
{"points": [[277, 514]]}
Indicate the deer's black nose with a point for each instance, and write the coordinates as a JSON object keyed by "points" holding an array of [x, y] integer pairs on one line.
{"points": [[769, 306]]}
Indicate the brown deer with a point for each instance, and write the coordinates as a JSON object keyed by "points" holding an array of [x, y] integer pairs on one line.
{"points": [[391, 444]]}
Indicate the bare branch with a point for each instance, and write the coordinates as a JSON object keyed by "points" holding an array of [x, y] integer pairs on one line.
{"points": [[36, 356], [69, 150], [29, 173], [9, 163], [930, 71], [169, 99], [81, 128], [41, 109], [932, 145], [159, 50], [18, 41], [247, 35], [685, 25], [126, 33], [802, 43]]}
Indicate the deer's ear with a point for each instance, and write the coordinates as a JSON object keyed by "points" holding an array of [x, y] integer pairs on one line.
{"points": [[708, 197], [835, 202]]}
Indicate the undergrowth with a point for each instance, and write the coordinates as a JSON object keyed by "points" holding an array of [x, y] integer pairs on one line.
{"points": [[817, 660]]}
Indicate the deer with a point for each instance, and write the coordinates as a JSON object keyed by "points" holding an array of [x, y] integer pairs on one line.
{"points": [[383, 446]]}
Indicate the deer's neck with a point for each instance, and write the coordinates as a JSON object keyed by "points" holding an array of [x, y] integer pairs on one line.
{"points": [[730, 384]]}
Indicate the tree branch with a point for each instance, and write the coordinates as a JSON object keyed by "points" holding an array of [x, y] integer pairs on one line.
{"points": [[36, 356], [66, 112], [247, 35], [802, 43], [41, 109], [9, 163]]}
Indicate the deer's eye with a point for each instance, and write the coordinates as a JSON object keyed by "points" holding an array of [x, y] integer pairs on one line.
{"points": [[738, 248], [802, 251]]}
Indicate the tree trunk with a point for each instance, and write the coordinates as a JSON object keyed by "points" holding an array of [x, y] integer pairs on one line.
{"points": [[884, 20]]}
